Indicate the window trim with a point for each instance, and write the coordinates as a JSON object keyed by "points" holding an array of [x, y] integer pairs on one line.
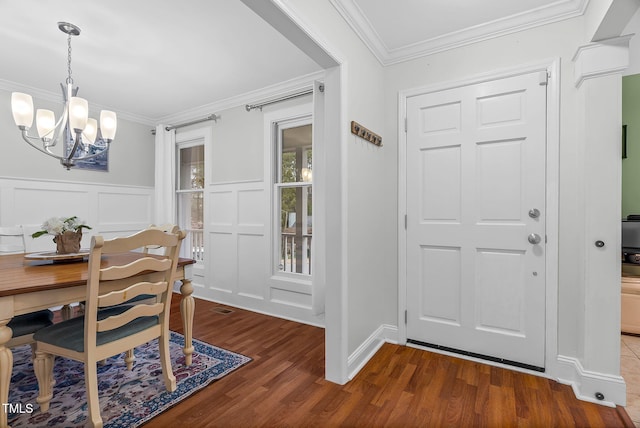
{"points": [[185, 140], [290, 118]]}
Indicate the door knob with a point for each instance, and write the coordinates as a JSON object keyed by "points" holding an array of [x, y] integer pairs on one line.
{"points": [[534, 238]]}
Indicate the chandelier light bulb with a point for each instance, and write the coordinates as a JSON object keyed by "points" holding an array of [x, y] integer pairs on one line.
{"points": [[46, 123], [108, 124], [78, 113], [90, 131], [22, 109]]}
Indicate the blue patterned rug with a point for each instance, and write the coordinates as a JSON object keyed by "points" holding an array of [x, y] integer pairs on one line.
{"points": [[127, 398]]}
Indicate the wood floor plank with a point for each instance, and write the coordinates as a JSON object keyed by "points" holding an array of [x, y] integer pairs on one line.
{"points": [[401, 386]]}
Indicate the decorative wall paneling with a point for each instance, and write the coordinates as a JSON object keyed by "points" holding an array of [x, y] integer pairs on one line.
{"points": [[238, 261], [111, 210]]}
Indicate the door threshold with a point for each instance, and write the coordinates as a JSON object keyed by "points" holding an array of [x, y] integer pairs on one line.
{"points": [[479, 356]]}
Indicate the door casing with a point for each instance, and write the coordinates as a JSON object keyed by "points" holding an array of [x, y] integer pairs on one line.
{"points": [[552, 68]]}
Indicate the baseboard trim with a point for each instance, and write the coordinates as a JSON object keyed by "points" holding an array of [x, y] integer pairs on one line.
{"points": [[361, 356], [587, 385]]}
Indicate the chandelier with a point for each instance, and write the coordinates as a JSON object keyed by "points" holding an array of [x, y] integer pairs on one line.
{"points": [[82, 137]]}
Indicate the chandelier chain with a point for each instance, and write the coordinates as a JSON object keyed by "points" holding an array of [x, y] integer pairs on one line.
{"points": [[69, 79]]}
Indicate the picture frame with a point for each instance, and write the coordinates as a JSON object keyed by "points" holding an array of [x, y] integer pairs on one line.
{"points": [[98, 163]]}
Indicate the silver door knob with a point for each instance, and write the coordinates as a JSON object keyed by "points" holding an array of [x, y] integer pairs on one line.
{"points": [[534, 238]]}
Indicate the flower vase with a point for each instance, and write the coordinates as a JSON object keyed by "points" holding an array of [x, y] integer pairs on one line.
{"points": [[68, 242]]}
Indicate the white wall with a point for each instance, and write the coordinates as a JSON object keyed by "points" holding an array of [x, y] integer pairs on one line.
{"points": [[368, 186]]}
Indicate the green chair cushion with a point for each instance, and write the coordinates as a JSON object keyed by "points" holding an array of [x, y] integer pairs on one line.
{"points": [[70, 334], [22, 325]]}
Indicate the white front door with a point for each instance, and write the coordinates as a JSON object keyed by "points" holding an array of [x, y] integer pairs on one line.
{"points": [[475, 209]]}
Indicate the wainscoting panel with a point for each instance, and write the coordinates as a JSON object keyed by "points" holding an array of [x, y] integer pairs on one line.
{"points": [[221, 263], [251, 272], [251, 207], [110, 210], [222, 208], [238, 262]]}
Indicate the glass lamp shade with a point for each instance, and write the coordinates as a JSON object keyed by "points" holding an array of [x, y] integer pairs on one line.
{"points": [[46, 123], [22, 108], [78, 113], [108, 124], [91, 130]]}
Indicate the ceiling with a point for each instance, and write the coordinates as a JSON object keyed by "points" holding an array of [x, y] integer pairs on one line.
{"points": [[149, 60], [145, 59], [405, 29]]}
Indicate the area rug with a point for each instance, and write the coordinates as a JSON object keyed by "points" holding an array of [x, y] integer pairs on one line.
{"points": [[127, 398]]}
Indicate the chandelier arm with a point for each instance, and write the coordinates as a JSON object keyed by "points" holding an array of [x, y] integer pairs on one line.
{"points": [[75, 147], [28, 139], [93, 155], [59, 129]]}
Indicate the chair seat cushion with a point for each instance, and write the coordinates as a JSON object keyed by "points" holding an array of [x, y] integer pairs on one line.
{"points": [[22, 325], [70, 334]]}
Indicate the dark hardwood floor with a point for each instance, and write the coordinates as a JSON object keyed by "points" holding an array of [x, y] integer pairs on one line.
{"points": [[284, 385]]}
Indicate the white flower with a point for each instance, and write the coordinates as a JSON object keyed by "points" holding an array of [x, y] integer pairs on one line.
{"points": [[59, 225], [54, 225]]}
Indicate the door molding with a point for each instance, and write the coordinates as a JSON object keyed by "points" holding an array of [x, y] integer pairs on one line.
{"points": [[552, 68]]}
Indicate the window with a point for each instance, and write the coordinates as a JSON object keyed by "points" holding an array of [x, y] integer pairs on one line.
{"points": [[294, 201], [190, 199]]}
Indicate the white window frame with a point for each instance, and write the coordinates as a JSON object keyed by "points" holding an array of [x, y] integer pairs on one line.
{"points": [[179, 216], [275, 122]]}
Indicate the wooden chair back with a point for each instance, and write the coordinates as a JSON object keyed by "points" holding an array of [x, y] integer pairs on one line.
{"points": [[167, 227], [115, 285], [12, 240]]}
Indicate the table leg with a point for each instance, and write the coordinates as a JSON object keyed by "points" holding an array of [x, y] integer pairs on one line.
{"points": [[6, 366], [66, 312], [187, 308]]}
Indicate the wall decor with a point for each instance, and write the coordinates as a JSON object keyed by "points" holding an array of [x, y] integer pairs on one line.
{"points": [[365, 133], [98, 162]]}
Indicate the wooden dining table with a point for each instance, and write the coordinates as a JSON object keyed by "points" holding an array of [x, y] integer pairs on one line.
{"points": [[29, 285]]}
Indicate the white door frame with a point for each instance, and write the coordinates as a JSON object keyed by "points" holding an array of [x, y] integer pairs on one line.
{"points": [[552, 67]]}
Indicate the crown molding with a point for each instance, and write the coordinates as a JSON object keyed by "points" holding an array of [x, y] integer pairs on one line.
{"points": [[252, 97], [358, 21]]}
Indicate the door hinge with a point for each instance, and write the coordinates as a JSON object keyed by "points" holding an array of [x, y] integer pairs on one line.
{"points": [[405, 222], [405, 124], [544, 78], [405, 317]]}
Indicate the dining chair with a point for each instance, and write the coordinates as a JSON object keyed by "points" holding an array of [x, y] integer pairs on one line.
{"points": [[108, 327], [22, 326], [167, 227], [129, 356]]}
